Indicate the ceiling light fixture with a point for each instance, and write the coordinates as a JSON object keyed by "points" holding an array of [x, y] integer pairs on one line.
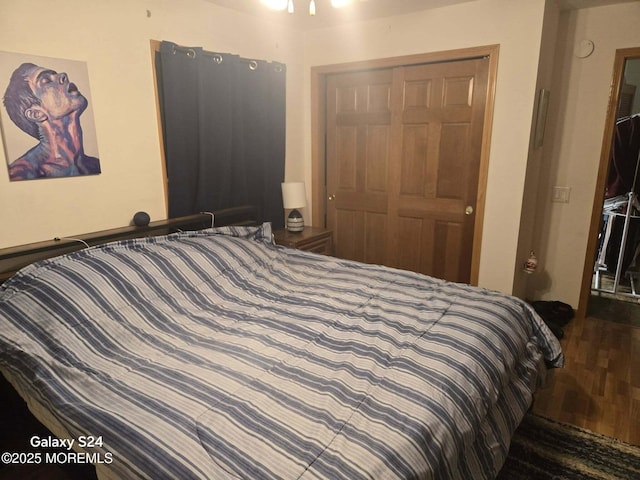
{"points": [[288, 5]]}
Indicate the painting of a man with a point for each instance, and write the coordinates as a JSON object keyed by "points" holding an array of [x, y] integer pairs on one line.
{"points": [[47, 105]]}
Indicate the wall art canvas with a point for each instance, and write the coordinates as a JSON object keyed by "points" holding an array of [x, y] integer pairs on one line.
{"points": [[46, 117]]}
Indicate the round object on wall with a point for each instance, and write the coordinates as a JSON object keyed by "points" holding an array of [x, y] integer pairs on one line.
{"points": [[584, 48], [141, 219]]}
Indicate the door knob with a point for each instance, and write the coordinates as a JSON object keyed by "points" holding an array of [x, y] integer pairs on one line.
{"points": [[468, 210], [332, 197]]}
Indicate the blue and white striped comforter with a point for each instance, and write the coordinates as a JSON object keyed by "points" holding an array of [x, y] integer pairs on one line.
{"points": [[218, 355]]}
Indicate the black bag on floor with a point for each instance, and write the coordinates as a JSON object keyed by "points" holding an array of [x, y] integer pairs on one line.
{"points": [[555, 314]]}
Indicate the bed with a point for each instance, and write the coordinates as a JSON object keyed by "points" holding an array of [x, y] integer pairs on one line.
{"points": [[215, 354]]}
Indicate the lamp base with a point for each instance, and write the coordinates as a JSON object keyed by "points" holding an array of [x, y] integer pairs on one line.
{"points": [[295, 222]]}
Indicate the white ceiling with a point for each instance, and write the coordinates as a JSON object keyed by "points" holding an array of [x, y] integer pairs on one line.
{"points": [[363, 10], [326, 16]]}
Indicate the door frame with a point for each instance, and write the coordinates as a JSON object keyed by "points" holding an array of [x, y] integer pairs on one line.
{"points": [[318, 125], [622, 55]]}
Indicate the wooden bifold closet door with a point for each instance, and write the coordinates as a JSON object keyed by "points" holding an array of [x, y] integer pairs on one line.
{"points": [[403, 148]]}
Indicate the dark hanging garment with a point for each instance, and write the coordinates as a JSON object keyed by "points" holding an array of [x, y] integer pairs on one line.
{"points": [[624, 158]]}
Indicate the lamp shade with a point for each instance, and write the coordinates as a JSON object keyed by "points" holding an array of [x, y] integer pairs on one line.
{"points": [[293, 195]]}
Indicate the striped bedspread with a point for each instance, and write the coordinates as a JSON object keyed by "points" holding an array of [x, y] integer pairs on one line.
{"points": [[218, 355]]}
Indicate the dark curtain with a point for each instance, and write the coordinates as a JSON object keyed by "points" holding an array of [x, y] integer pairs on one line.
{"points": [[224, 131]]}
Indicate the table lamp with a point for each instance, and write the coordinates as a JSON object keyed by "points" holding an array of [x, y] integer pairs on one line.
{"points": [[294, 197]]}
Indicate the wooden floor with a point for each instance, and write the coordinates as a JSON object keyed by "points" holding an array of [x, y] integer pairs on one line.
{"points": [[599, 388]]}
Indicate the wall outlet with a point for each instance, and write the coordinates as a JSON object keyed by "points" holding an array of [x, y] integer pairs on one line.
{"points": [[560, 194]]}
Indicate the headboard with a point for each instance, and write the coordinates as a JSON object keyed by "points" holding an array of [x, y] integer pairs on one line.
{"points": [[14, 258]]}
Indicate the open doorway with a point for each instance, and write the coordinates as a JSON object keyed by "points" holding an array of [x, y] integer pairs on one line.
{"points": [[614, 290]]}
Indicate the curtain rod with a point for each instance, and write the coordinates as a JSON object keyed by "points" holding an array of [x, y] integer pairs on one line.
{"points": [[218, 57]]}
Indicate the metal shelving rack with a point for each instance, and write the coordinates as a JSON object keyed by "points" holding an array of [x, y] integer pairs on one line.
{"points": [[632, 205]]}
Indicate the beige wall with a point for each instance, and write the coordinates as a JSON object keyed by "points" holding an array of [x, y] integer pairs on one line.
{"points": [[579, 100], [113, 38], [517, 27], [533, 195]]}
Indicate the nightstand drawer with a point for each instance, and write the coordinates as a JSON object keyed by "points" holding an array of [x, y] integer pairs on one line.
{"points": [[311, 239], [321, 245]]}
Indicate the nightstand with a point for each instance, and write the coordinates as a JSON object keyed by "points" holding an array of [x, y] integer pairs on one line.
{"points": [[311, 239]]}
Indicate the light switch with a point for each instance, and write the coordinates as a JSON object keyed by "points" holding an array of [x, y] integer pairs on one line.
{"points": [[561, 194]]}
